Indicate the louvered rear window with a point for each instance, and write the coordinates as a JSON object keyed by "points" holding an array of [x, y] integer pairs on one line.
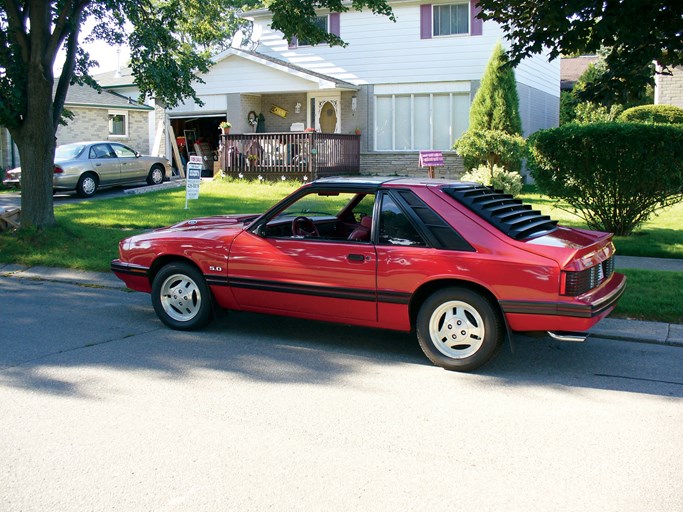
{"points": [[514, 218]]}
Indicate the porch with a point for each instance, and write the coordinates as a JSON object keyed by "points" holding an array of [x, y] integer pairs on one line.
{"points": [[292, 155]]}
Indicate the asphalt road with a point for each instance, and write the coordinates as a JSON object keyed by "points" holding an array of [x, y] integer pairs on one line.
{"points": [[103, 408], [13, 199]]}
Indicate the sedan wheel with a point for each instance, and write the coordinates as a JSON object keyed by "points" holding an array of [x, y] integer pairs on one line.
{"points": [[459, 329], [156, 176], [87, 185], [181, 297]]}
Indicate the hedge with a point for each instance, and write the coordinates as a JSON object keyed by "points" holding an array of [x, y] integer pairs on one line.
{"points": [[613, 175], [663, 114]]}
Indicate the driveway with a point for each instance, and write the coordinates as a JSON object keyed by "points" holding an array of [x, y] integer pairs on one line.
{"points": [[13, 199], [103, 408]]}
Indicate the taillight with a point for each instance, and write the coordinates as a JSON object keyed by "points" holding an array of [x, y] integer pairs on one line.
{"points": [[58, 170], [577, 283]]}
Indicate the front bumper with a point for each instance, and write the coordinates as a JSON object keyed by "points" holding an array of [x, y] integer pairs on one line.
{"points": [[135, 277]]}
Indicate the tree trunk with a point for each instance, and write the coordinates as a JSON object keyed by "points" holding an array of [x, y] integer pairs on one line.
{"points": [[35, 139]]}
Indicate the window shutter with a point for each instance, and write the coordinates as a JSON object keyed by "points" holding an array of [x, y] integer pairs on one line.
{"points": [[293, 42], [476, 25], [334, 24], [426, 21]]}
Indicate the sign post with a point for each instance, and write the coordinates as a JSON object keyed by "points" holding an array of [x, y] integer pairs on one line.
{"points": [[193, 179], [431, 159]]}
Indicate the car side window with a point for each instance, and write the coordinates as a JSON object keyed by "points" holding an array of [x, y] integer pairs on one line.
{"points": [[123, 151], [394, 226], [100, 151]]}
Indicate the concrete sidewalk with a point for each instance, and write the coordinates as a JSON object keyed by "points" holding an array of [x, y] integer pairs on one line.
{"points": [[613, 328]]}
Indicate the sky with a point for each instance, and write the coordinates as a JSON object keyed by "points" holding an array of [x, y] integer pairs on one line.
{"points": [[100, 51]]}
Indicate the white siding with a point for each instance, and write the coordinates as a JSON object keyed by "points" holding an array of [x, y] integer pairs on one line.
{"points": [[538, 73], [252, 77], [382, 52]]}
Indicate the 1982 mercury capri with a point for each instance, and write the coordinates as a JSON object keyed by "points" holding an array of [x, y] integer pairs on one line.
{"points": [[461, 264]]}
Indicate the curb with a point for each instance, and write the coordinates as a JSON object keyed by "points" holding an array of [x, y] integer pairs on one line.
{"points": [[636, 331]]}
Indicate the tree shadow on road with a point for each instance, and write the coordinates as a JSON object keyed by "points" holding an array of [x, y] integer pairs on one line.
{"points": [[82, 328]]}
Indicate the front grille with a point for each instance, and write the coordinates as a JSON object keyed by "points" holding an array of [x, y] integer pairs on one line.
{"points": [[577, 283]]}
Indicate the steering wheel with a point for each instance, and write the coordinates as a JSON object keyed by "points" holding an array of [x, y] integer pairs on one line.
{"points": [[303, 226]]}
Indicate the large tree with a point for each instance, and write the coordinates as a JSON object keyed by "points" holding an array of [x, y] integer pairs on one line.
{"points": [[170, 45], [635, 32]]}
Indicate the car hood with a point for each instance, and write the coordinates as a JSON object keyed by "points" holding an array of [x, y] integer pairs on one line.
{"points": [[238, 221]]}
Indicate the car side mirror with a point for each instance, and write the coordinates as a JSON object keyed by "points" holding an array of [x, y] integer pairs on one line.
{"points": [[138, 154], [260, 230]]}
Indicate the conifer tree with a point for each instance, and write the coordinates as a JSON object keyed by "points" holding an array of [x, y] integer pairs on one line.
{"points": [[496, 104]]}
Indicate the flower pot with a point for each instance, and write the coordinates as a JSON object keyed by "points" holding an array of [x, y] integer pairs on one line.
{"points": [[225, 131]]}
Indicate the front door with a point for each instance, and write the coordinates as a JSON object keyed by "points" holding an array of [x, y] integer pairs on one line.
{"points": [[327, 113], [132, 167], [332, 281]]}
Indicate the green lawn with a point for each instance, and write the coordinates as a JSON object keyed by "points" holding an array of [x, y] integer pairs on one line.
{"points": [[88, 233], [661, 237]]}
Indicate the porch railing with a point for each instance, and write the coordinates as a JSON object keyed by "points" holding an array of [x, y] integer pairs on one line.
{"points": [[289, 154]]}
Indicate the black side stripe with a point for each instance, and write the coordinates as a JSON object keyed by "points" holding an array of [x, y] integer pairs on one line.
{"points": [[559, 308], [128, 269], [316, 291]]}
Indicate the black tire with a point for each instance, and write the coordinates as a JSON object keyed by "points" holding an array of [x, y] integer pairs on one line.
{"points": [[458, 329], [156, 175], [87, 184], [181, 298]]}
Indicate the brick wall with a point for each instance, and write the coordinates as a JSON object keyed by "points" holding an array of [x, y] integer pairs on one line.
{"points": [[669, 89], [93, 124], [288, 102], [406, 164]]}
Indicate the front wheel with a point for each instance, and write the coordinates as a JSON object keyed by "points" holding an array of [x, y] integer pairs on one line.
{"points": [[459, 329], [155, 176], [181, 297]]}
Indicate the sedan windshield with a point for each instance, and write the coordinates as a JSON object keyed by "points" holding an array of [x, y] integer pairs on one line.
{"points": [[69, 151]]}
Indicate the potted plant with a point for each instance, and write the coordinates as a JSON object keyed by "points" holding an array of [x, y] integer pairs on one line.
{"points": [[225, 127], [253, 160], [357, 131]]}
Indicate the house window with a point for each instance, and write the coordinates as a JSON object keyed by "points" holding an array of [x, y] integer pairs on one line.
{"points": [[451, 19], [413, 122], [321, 23], [118, 124], [328, 23]]}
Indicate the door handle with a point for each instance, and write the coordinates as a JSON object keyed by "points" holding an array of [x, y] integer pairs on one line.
{"points": [[356, 257]]}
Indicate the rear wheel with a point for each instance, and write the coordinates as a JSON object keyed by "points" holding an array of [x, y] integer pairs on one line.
{"points": [[156, 175], [181, 297], [459, 329], [87, 185]]}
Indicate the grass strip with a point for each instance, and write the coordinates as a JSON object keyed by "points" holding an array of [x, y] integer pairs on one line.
{"points": [[651, 295]]}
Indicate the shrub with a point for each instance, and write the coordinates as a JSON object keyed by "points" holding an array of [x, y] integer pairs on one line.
{"points": [[588, 112], [613, 175], [498, 178], [666, 114], [491, 147]]}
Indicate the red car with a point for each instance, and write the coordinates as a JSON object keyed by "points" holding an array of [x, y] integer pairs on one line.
{"points": [[461, 264]]}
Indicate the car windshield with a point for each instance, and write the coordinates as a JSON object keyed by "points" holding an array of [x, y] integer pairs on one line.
{"points": [[323, 204], [69, 151]]}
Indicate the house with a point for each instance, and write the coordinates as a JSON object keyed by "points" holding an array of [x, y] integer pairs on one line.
{"points": [[571, 69], [405, 86], [102, 115], [669, 88]]}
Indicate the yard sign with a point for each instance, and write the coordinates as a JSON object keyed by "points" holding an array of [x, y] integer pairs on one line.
{"points": [[194, 177], [431, 159]]}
